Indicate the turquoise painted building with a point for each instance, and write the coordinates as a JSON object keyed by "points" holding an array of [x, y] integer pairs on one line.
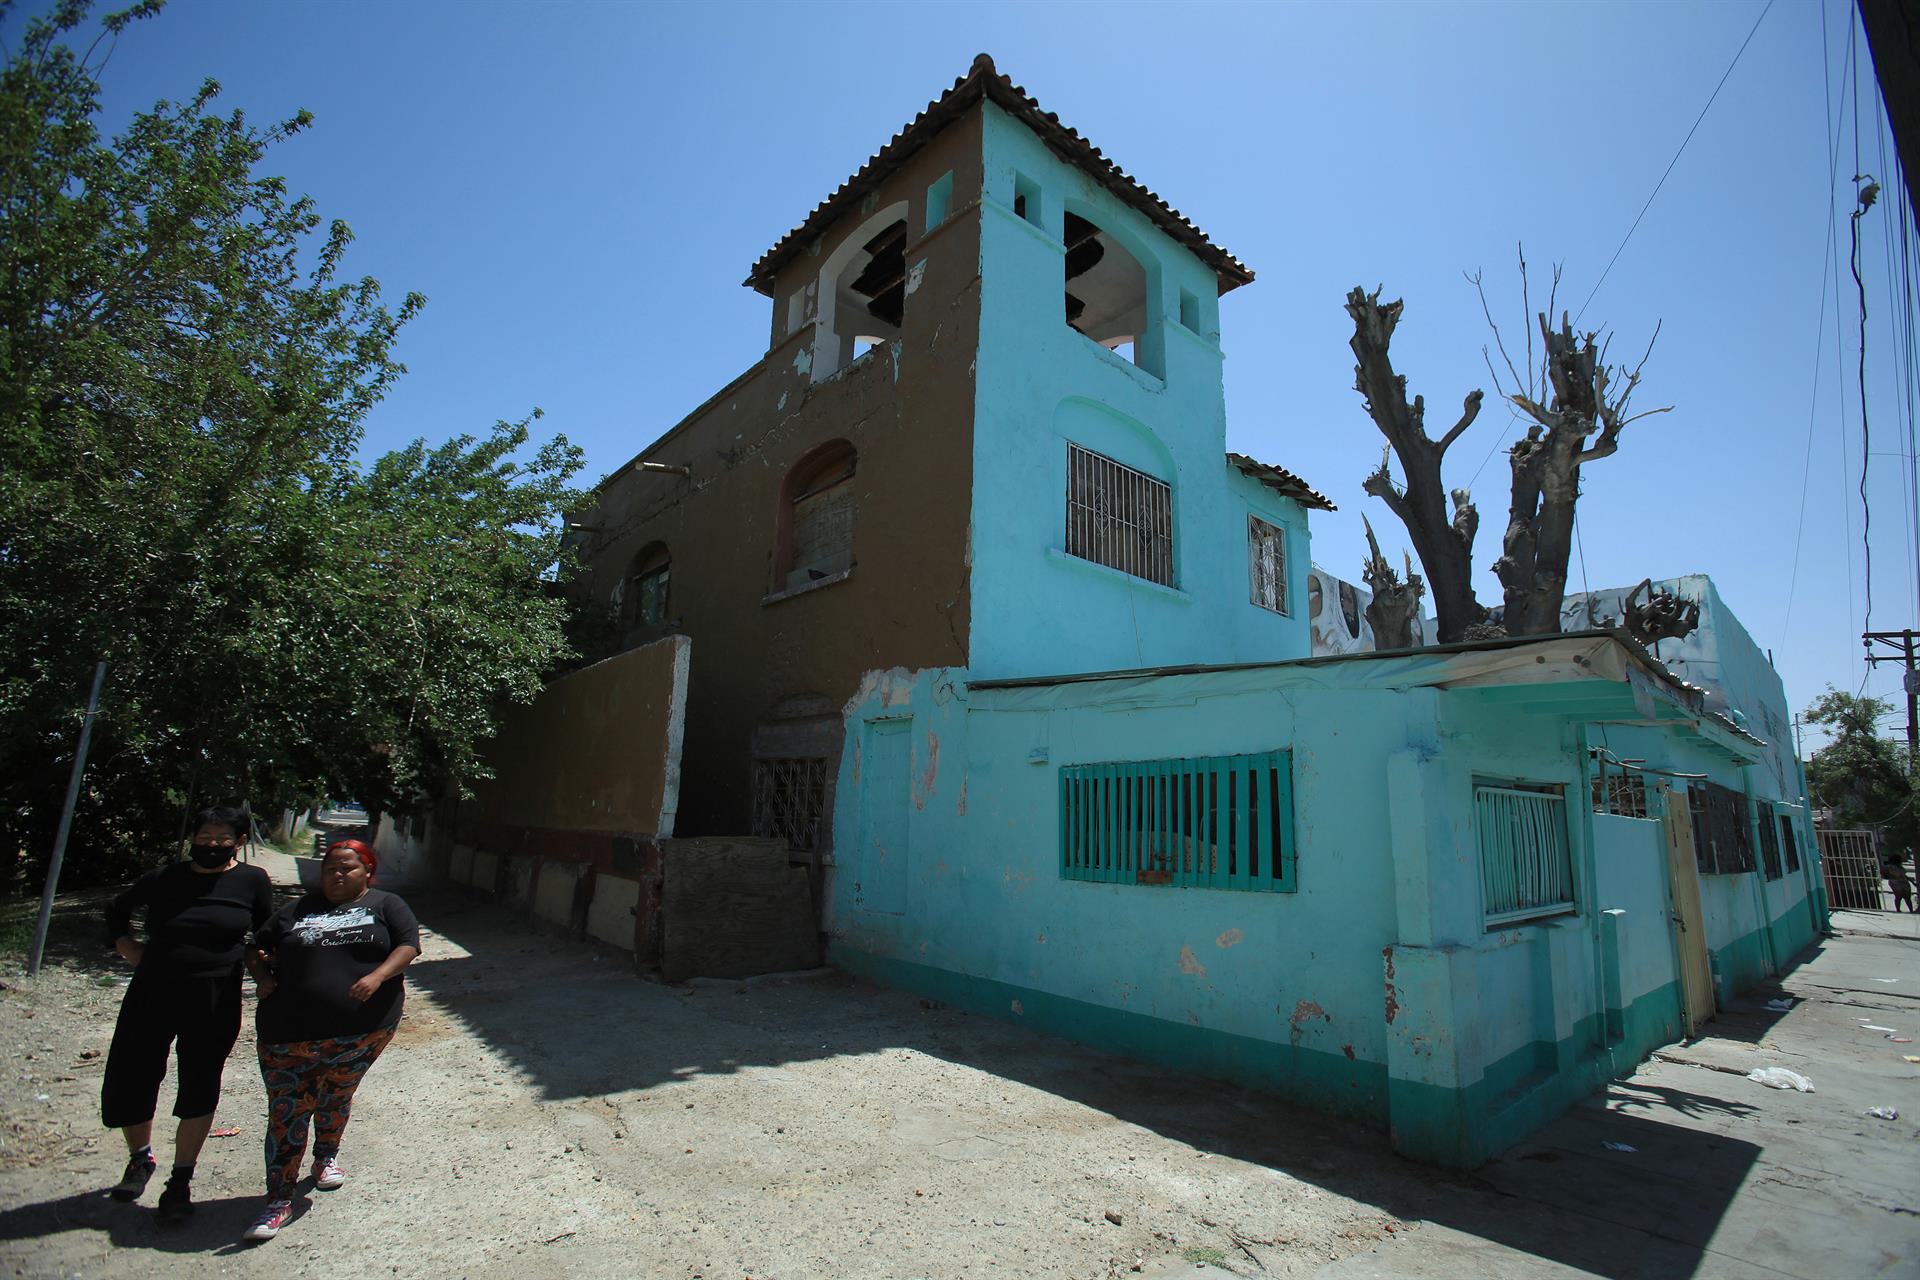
{"points": [[1433, 889]]}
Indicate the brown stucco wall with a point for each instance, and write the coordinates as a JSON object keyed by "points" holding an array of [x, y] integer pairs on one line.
{"points": [[778, 672], [598, 750]]}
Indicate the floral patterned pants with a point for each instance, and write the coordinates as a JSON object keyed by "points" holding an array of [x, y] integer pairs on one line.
{"points": [[311, 1079]]}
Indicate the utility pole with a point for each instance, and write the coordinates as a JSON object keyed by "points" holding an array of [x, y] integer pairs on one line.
{"points": [[1902, 644]]}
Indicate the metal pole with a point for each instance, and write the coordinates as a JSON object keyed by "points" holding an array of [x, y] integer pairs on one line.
{"points": [[66, 824], [1912, 683]]}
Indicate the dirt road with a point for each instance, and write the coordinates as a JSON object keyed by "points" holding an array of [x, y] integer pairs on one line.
{"points": [[544, 1112]]}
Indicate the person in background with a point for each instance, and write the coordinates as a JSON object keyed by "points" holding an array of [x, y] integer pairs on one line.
{"points": [[1897, 880], [185, 996], [329, 967]]}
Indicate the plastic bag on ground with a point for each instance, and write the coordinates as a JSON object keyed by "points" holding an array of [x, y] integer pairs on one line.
{"points": [[1780, 1006], [1780, 1078], [1883, 1113]]}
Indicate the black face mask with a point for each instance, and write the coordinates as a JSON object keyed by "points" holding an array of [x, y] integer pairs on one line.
{"points": [[211, 855]]}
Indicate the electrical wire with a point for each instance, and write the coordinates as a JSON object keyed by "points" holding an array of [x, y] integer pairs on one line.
{"points": [[1665, 174], [1832, 142], [1676, 159], [1862, 203]]}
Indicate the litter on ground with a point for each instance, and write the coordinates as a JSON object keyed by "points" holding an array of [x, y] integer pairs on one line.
{"points": [[1883, 1113], [1780, 1006], [1619, 1146], [1780, 1078]]}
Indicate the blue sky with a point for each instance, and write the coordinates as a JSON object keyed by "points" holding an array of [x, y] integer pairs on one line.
{"points": [[579, 189]]}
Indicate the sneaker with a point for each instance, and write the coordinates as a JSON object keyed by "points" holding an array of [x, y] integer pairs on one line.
{"points": [[176, 1199], [328, 1175], [275, 1216], [134, 1180]]}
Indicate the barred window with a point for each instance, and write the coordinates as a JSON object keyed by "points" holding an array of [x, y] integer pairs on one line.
{"points": [[1722, 840], [1526, 862], [1119, 517], [789, 797], [1267, 564], [1788, 844], [1222, 822], [1769, 841], [1624, 795], [817, 515]]}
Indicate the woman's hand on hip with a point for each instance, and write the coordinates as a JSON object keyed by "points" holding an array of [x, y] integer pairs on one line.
{"points": [[130, 951]]}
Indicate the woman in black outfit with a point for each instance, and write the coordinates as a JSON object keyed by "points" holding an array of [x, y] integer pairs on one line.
{"points": [[185, 995]]}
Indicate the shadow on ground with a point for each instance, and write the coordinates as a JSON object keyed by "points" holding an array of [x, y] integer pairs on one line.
{"points": [[552, 1008]]}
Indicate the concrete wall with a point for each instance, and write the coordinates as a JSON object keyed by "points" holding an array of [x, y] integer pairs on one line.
{"points": [[1042, 385], [598, 751], [1375, 988]]}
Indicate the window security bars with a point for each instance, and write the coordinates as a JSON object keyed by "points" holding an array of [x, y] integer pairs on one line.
{"points": [[1119, 517], [1267, 564], [1526, 865], [1624, 795], [1722, 840], [1854, 868], [789, 797], [1769, 842], [1223, 822]]}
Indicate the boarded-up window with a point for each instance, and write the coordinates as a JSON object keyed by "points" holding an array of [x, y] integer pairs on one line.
{"points": [[1222, 822], [820, 511], [1722, 840], [789, 797], [1267, 564], [1526, 863], [1119, 517]]}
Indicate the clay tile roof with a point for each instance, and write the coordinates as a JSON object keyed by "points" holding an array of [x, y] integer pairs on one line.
{"points": [[983, 81], [1281, 481]]}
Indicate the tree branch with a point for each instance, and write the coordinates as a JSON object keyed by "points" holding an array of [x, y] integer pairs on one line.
{"points": [[1470, 409]]}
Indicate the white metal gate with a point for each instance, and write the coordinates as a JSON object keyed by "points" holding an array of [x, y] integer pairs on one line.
{"points": [[1858, 877]]}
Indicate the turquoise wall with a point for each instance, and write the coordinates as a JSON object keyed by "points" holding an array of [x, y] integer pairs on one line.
{"points": [[1374, 990], [1040, 384]]}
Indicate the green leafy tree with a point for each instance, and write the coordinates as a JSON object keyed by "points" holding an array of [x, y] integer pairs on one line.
{"points": [[185, 374], [1861, 775]]}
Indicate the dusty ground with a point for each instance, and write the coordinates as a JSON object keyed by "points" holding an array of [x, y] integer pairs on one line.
{"points": [[543, 1112]]}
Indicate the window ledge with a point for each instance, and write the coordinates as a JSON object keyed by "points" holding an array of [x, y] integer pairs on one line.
{"points": [[1120, 577], [1147, 379], [790, 592]]}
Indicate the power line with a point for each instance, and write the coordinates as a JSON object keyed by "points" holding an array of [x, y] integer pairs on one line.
{"points": [[1831, 141], [1498, 440], [1676, 160]]}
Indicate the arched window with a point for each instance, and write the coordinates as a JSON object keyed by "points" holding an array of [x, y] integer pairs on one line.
{"points": [[1106, 296], [646, 587], [863, 292], [816, 516]]}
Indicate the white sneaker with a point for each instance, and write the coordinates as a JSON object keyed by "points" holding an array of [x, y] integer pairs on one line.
{"points": [[328, 1175], [275, 1216]]}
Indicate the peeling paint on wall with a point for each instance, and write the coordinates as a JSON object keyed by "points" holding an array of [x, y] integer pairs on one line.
{"points": [[924, 790], [914, 274], [1190, 964], [1229, 938], [1393, 997], [1301, 1013]]}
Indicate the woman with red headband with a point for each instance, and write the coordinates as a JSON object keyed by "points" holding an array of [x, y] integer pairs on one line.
{"points": [[329, 969]]}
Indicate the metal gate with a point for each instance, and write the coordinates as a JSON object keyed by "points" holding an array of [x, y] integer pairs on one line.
{"points": [[1858, 879]]}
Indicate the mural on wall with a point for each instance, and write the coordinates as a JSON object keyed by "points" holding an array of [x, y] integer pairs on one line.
{"points": [[1337, 616]]}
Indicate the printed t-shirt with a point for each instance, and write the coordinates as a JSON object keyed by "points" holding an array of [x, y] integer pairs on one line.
{"points": [[319, 951], [197, 921]]}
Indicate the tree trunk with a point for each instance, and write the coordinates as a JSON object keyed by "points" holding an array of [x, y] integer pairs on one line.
{"points": [[1444, 545]]}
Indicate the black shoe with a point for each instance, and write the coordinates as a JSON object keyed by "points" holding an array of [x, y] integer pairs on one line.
{"points": [[134, 1180], [176, 1199]]}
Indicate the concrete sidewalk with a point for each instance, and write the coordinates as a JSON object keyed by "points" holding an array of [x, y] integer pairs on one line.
{"points": [[1724, 1177]]}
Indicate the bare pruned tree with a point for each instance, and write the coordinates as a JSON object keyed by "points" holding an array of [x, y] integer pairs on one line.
{"points": [[1444, 543], [1577, 404], [1395, 604]]}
